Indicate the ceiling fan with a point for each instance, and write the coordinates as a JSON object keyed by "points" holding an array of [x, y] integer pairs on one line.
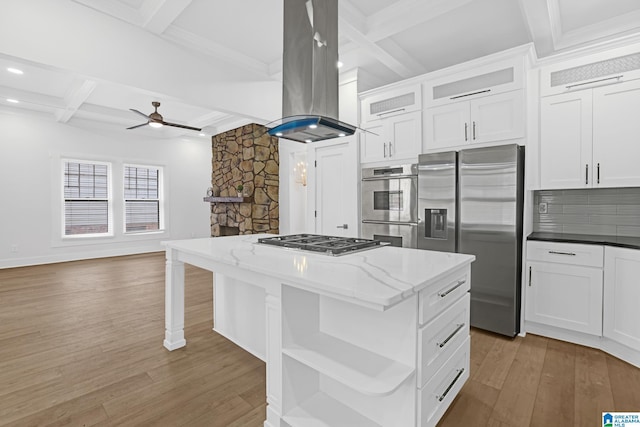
{"points": [[155, 120]]}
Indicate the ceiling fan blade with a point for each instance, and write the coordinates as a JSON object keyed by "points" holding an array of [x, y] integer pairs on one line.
{"points": [[142, 114], [175, 125], [137, 126]]}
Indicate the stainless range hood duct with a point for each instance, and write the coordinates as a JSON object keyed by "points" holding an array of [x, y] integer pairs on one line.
{"points": [[310, 73]]}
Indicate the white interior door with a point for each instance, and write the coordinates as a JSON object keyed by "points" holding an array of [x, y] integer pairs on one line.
{"points": [[336, 186]]}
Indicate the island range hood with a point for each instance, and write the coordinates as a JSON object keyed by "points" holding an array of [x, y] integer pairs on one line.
{"points": [[310, 73]]}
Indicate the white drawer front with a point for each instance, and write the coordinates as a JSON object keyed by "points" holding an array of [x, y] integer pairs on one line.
{"points": [[441, 337], [566, 253], [435, 299], [435, 397]]}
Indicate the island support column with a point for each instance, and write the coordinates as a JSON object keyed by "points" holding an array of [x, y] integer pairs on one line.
{"points": [[274, 355], [174, 302]]}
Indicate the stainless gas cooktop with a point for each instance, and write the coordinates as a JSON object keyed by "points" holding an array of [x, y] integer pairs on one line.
{"points": [[329, 245]]}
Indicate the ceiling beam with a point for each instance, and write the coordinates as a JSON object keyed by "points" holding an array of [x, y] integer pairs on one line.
{"points": [[352, 25], [404, 14], [75, 97], [158, 15], [208, 47], [389, 60], [536, 15]]}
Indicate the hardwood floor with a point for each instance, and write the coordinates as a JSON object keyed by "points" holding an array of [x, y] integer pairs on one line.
{"points": [[81, 345]]}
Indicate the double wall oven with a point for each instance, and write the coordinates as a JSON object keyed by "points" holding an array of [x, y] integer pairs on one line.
{"points": [[390, 204]]}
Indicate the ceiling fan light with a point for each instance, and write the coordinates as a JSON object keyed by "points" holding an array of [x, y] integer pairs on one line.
{"points": [[155, 124]]}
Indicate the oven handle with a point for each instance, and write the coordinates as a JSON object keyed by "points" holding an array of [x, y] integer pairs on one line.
{"points": [[367, 221], [388, 177]]}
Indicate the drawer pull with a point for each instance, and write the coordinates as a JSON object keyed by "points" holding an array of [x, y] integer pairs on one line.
{"points": [[443, 395], [443, 343], [562, 253], [447, 292]]}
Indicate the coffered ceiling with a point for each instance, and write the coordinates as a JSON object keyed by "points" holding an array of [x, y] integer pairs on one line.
{"points": [[216, 63]]}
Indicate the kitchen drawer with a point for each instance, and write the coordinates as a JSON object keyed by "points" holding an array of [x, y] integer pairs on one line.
{"points": [[435, 397], [436, 298], [441, 337], [566, 253]]}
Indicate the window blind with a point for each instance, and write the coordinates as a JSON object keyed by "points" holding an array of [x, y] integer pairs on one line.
{"points": [[86, 198], [142, 201]]}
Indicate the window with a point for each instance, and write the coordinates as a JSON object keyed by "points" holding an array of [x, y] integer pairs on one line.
{"points": [[142, 198], [86, 198]]}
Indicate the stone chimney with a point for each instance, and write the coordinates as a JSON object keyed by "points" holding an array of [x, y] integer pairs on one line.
{"points": [[247, 156]]}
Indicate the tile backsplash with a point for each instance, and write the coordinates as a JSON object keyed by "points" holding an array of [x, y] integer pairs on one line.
{"points": [[601, 211]]}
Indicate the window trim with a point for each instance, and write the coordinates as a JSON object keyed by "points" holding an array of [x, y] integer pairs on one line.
{"points": [[161, 205], [109, 199]]}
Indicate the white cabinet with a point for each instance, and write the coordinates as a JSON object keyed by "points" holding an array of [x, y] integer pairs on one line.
{"points": [[565, 141], [378, 105], [564, 286], [622, 296], [392, 138], [616, 135], [480, 120], [588, 138]]}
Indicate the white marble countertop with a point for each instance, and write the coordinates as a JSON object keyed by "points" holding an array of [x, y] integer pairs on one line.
{"points": [[382, 276]]}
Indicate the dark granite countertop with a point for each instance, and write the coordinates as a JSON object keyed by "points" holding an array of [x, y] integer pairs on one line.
{"points": [[589, 239]]}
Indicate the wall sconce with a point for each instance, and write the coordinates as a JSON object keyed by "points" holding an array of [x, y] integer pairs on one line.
{"points": [[300, 173]]}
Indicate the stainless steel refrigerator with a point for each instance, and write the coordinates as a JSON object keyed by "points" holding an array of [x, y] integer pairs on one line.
{"points": [[471, 202]]}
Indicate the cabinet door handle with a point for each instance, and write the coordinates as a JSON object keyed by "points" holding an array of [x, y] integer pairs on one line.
{"points": [[474, 130], [466, 128], [598, 174], [529, 276], [596, 81], [470, 94], [455, 331], [343, 226], [389, 148], [390, 112], [586, 174], [443, 395], [562, 253], [384, 147], [448, 291]]}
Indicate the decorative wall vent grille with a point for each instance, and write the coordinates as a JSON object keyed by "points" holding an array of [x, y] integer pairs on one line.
{"points": [[596, 69], [394, 103]]}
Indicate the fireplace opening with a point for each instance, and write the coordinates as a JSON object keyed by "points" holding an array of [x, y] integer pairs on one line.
{"points": [[229, 231]]}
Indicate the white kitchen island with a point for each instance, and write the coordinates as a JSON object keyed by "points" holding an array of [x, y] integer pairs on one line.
{"points": [[374, 338]]}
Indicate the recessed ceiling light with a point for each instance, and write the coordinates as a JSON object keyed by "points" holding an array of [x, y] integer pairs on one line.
{"points": [[307, 140], [341, 135], [15, 70], [13, 101], [340, 64], [202, 134]]}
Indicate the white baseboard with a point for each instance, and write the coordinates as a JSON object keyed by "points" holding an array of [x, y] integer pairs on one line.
{"points": [[605, 344], [77, 256]]}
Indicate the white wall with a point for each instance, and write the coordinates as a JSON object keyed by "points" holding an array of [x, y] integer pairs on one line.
{"points": [[31, 149]]}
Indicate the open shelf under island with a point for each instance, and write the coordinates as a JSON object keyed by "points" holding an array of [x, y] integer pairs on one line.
{"points": [[379, 337]]}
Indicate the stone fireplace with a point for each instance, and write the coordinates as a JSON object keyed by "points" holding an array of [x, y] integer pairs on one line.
{"points": [[247, 156]]}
